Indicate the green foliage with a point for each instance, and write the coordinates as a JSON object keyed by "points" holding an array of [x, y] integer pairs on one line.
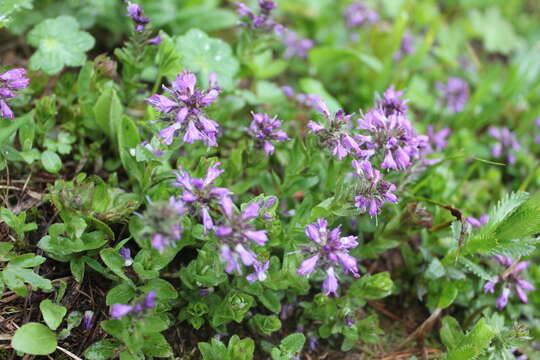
{"points": [[206, 55], [52, 313], [59, 43], [34, 339], [236, 349], [17, 273], [17, 222], [10, 7]]}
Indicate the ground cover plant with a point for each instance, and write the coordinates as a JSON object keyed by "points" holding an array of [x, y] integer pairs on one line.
{"points": [[289, 179]]}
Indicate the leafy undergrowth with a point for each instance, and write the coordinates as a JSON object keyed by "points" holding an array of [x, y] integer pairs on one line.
{"points": [[300, 179]]}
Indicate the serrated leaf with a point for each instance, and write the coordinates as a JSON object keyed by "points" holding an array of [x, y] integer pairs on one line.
{"points": [[59, 43], [451, 333], [473, 343], [205, 55]]}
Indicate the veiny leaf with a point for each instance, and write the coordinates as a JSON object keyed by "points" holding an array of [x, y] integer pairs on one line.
{"points": [[204, 55], [59, 43], [34, 339]]}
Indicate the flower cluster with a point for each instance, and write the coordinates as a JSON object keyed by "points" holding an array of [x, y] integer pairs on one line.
{"points": [[509, 279], [10, 81], [163, 218], [359, 14], [386, 130], [372, 191], [136, 13], [330, 250], [261, 21], [455, 94], [199, 194], [336, 137], [236, 233], [185, 110], [507, 144], [296, 46], [120, 310], [264, 129]]}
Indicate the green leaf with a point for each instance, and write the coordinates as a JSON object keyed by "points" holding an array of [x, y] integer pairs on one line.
{"points": [[265, 324], [52, 314], [10, 7], [108, 112], [474, 343], [448, 294], [34, 339], [435, 269], [204, 18], [156, 345], [496, 32], [51, 161], [60, 43], [372, 286], [204, 55], [102, 350], [451, 333], [293, 343]]}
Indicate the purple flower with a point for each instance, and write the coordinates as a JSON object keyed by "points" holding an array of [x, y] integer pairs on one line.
{"points": [[149, 300], [88, 319], [406, 47], [185, 110], [507, 144], [120, 310], [260, 272], [264, 129], [261, 21], [156, 40], [502, 300], [199, 194], [438, 140], [474, 222], [11, 81], [537, 137], [136, 13], [125, 253], [510, 278], [236, 234], [336, 137], [359, 14], [329, 250], [455, 94], [393, 136], [296, 46], [392, 103], [373, 192], [164, 218]]}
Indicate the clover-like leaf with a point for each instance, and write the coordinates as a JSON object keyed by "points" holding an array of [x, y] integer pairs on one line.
{"points": [[59, 43], [205, 55]]}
